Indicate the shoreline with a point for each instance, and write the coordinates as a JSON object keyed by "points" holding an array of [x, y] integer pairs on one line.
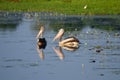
{"points": [[56, 14]]}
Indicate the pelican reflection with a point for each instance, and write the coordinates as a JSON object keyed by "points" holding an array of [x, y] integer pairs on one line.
{"points": [[59, 52], [40, 52]]}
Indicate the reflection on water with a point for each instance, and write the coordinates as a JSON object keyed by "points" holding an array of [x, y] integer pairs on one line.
{"points": [[41, 54], [97, 58], [59, 52]]}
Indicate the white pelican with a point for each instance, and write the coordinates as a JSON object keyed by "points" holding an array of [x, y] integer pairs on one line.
{"points": [[70, 42]]}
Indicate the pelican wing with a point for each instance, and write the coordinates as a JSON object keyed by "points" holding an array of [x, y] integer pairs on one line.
{"points": [[70, 42], [70, 39], [59, 34]]}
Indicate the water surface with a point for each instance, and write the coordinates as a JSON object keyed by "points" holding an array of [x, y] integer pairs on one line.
{"points": [[97, 58]]}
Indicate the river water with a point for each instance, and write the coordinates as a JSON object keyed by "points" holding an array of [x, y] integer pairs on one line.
{"points": [[97, 58]]}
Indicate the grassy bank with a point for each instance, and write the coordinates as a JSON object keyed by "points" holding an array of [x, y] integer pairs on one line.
{"points": [[76, 7]]}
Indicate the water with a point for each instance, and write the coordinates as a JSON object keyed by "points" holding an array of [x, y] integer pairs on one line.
{"points": [[97, 58]]}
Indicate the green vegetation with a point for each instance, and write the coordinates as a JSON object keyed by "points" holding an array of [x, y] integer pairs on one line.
{"points": [[74, 7]]}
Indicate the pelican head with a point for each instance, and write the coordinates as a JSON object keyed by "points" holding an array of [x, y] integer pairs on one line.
{"points": [[40, 34], [59, 35], [70, 42]]}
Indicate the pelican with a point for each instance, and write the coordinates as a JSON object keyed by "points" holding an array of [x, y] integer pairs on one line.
{"points": [[70, 42], [41, 41]]}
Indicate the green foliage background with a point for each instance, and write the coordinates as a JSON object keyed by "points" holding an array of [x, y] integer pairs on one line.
{"points": [[76, 7]]}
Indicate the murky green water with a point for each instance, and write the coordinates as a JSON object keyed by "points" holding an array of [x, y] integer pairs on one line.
{"points": [[98, 57]]}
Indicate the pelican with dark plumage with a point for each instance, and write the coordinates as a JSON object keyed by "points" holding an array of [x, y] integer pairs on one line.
{"points": [[41, 41], [70, 42]]}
